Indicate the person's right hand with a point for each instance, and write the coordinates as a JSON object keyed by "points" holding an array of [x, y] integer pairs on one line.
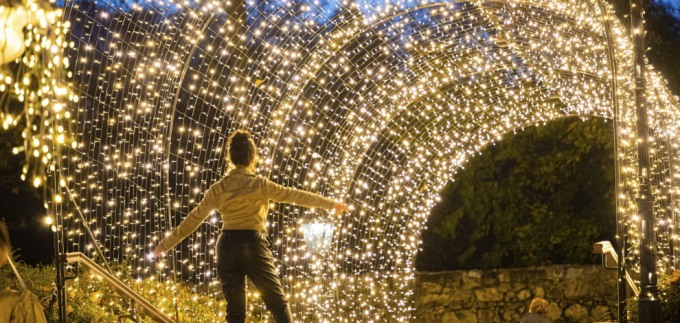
{"points": [[340, 207]]}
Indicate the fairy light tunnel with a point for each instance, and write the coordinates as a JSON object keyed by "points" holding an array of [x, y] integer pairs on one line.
{"points": [[377, 103]]}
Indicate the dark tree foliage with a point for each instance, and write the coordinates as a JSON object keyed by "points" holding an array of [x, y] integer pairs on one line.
{"points": [[541, 196], [662, 37], [663, 43], [21, 204]]}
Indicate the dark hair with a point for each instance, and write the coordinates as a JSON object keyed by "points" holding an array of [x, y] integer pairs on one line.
{"points": [[241, 148]]}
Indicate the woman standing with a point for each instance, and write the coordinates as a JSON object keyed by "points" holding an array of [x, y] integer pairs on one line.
{"points": [[242, 248]]}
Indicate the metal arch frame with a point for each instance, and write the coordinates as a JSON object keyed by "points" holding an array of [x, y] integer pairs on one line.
{"points": [[621, 273], [319, 61], [606, 18], [612, 62]]}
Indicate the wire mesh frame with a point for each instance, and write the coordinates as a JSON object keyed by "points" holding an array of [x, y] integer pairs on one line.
{"points": [[422, 190]]}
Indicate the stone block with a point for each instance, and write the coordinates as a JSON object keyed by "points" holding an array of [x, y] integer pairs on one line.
{"points": [[455, 280], [437, 299], [556, 272], [511, 316], [539, 291], [554, 311], [526, 276], [449, 295], [489, 315], [504, 287], [429, 287], [455, 306], [603, 313], [576, 312], [488, 295], [472, 279], [554, 292], [448, 289], [524, 294], [463, 316], [490, 279], [461, 295], [450, 317], [575, 273], [503, 277], [575, 289], [431, 314]]}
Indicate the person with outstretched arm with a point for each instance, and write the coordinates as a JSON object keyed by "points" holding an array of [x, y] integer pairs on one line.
{"points": [[243, 249]]}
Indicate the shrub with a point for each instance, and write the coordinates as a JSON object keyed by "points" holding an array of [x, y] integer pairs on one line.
{"points": [[90, 300], [669, 291]]}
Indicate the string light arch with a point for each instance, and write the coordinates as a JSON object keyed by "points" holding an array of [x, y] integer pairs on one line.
{"points": [[377, 104]]}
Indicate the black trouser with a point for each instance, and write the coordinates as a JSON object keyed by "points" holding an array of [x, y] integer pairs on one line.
{"points": [[242, 253]]}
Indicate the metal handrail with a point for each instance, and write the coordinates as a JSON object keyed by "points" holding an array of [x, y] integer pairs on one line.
{"points": [[120, 287], [608, 253]]}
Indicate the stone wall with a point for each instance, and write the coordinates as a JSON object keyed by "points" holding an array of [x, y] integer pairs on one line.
{"points": [[575, 293]]}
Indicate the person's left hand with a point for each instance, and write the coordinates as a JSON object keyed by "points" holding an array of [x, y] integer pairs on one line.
{"points": [[4, 255], [159, 251]]}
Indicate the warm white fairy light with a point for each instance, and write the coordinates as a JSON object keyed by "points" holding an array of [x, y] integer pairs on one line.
{"points": [[33, 91], [379, 106]]}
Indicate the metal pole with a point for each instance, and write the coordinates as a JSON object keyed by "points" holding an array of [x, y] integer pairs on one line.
{"points": [[59, 251], [649, 308], [620, 228]]}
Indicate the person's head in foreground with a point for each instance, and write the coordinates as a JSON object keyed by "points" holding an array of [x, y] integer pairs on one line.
{"points": [[539, 305], [241, 149], [5, 248]]}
